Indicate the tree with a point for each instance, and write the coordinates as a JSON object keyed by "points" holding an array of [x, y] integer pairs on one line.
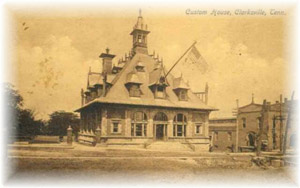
{"points": [[28, 126], [21, 121], [60, 121]]}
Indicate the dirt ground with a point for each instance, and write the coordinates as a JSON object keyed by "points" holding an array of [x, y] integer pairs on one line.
{"points": [[116, 167]]}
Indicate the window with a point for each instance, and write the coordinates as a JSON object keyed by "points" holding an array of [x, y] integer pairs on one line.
{"points": [[99, 91], [258, 120], [244, 122], [144, 39], [160, 92], [229, 136], [183, 95], [216, 136], [179, 130], [140, 68], [115, 127], [139, 124], [134, 90], [139, 129], [199, 128], [179, 125], [139, 38], [160, 117]]}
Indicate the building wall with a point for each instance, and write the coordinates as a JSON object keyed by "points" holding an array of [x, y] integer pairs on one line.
{"points": [[272, 132], [223, 134], [252, 126], [221, 140], [123, 114]]}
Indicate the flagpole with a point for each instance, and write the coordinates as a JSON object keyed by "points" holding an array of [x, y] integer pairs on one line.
{"points": [[180, 58]]}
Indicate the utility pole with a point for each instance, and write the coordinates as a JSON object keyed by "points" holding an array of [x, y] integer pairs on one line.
{"points": [[281, 124], [264, 108], [290, 110], [237, 127]]}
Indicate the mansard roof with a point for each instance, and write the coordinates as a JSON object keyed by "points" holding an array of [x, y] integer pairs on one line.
{"points": [[118, 93], [133, 78], [180, 84], [155, 76], [94, 79]]}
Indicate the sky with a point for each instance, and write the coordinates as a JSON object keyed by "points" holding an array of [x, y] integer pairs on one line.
{"points": [[52, 53]]}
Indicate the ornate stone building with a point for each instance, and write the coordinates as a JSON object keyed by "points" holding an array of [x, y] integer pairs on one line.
{"points": [[134, 102], [250, 121]]}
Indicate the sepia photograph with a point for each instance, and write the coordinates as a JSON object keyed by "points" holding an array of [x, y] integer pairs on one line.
{"points": [[149, 94]]}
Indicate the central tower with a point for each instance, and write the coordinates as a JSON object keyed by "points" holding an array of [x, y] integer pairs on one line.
{"points": [[139, 36]]}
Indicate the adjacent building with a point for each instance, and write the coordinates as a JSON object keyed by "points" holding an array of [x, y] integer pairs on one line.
{"points": [[273, 128], [223, 134]]}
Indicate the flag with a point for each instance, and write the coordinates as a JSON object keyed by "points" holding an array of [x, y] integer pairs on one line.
{"points": [[194, 61]]}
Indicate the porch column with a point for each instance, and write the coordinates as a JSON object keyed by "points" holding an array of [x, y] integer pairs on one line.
{"points": [[150, 128], [81, 122], [206, 127], [154, 131], [170, 128], [189, 129], [134, 130], [104, 123], [164, 131], [143, 128], [127, 123]]}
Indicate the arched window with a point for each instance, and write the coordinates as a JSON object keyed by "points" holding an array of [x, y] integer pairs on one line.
{"points": [[160, 117], [139, 124], [139, 38], [244, 122], [179, 125], [251, 137]]}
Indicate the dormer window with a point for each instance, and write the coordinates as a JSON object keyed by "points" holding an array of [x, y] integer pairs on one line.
{"points": [[134, 90], [182, 95], [160, 92], [181, 89], [140, 67], [133, 85]]}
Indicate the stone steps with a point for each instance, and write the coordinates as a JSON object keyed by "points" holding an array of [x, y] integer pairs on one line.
{"points": [[168, 146]]}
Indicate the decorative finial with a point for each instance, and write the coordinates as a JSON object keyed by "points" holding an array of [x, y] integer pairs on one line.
{"points": [[107, 50], [252, 98], [90, 69], [140, 13]]}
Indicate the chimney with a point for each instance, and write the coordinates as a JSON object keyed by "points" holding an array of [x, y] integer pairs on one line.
{"points": [[206, 93], [285, 100], [106, 62], [82, 97]]}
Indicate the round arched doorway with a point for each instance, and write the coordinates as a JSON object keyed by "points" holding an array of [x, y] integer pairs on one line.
{"points": [[251, 139], [160, 123]]}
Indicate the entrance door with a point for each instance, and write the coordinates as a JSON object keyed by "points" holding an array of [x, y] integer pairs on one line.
{"points": [[159, 132], [251, 138]]}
